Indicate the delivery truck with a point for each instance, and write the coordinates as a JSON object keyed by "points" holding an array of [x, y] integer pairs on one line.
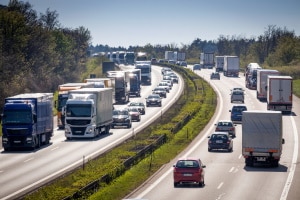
{"points": [[219, 64], [133, 80], [262, 137], [231, 66], [262, 78], [121, 89], [88, 112], [280, 93], [63, 97], [27, 121], [207, 60]]}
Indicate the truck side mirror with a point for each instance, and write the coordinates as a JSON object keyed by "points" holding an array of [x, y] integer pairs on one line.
{"points": [[283, 141]]}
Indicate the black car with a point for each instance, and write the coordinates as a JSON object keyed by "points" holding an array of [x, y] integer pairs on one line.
{"points": [[220, 140], [215, 75], [153, 100], [121, 118], [160, 91]]}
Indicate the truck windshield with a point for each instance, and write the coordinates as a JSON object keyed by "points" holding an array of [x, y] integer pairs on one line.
{"points": [[79, 110], [17, 117]]}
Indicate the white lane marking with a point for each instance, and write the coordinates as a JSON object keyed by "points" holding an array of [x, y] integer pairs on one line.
{"points": [[1, 171], [28, 160], [220, 185], [240, 156], [54, 148], [289, 180], [231, 170], [153, 185]]}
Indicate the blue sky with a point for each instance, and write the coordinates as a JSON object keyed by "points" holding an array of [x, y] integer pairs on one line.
{"points": [[140, 22]]}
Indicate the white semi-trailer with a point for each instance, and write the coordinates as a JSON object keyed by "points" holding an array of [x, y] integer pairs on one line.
{"points": [[231, 66], [88, 112], [262, 86]]}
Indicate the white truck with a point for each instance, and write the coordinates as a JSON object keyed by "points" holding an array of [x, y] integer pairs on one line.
{"points": [[262, 78], [280, 93], [219, 64], [207, 60], [262, 137], [231, 66], [88, 112]]}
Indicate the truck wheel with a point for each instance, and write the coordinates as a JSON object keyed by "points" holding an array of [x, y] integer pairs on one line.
{"points": [[107, 128]]}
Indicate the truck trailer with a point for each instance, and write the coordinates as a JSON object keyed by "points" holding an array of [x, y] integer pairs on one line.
{"points": [[219, 64], [88, 112], [231, 66], [145, 73], [262, 137], [207, 60], [261, 85], [27, 120], [133, 80], [280, 93]]}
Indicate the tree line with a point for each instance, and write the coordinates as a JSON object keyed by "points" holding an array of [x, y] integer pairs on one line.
{"points": [[37, 53]]}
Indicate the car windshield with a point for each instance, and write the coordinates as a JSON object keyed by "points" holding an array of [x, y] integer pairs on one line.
{"points": [[239, 109], [120, 112], [153, 96], [237, 92], [187, 164]]}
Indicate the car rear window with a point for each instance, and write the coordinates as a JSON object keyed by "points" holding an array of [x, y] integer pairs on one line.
{"points": [[187, 164]]}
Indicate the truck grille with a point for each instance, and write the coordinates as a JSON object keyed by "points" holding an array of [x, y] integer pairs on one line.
{"points": [[78, 122], [78, 130], [17, 131]]}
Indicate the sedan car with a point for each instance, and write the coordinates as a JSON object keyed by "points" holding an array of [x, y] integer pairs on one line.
{"points": [[237, 96], [237, 112], [139, 105], [215, 75], [121, 118], [161, 91], [153, 100], [220, 140], [188, 170], [134, 114], [225, 126]]}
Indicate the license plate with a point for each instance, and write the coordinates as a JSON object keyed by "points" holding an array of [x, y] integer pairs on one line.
{"points": [[219, 141], [187, 174], [261, 159], [17, 141]]}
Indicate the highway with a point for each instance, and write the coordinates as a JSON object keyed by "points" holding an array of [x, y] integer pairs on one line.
{"points": [[226, 176], [23, 171]]}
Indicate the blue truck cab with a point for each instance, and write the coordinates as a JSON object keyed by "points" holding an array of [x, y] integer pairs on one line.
{"points": [[27, 121]]}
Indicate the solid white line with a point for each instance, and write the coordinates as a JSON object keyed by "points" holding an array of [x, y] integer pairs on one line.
{"points": [[54, 148], [289, 180], [28, 160], [147, 190], [231, 170]]}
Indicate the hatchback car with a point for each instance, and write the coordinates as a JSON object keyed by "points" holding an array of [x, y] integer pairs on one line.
{"points": [[215, 75], [121, 118], [153, 100], [188, 170], [237, 96], [139, 105], [220, 140], [134, 114], [225, 126], [237, 112]]}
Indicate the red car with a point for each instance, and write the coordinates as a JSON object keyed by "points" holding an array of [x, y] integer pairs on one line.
{"points": [[188, 170]]}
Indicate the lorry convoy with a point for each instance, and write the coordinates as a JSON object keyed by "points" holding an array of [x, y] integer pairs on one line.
{"points": [[27, 121], [262, 137], [88, 112]]}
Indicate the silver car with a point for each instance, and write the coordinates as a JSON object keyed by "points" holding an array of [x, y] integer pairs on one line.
{"points": [[237, 96]]}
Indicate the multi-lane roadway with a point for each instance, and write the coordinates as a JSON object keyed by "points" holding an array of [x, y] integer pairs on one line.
{"points": [[24, 171], [226, 176]]}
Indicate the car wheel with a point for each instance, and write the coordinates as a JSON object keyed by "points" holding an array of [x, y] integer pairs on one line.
{"points": [[201, 183], [175, 184], [209, 149]]}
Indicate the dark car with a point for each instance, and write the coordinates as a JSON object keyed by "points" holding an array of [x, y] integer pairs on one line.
{"points": [[188, 170], [161, 91], [196, 67], [220, 140], [225, 126], [121, 118], [237, 112], [215, 75], [139, 105], [237, 96], [153, 100]]}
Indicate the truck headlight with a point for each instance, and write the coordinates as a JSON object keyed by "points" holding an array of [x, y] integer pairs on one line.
{"points": [[4, 139], [89, 130]]}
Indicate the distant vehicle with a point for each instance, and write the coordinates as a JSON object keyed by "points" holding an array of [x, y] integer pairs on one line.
{"points": [[160, 91], [139, 105], [219, 64], [262, 82], [237, 112], [165, 86], [196, 67], [237, 96], [145, 72], [169, 82], [153, 61], [129, 58], [174, 78], [134, 114], [165, 69], [153, 100], [226, 126], [262, 137], [251, 75], [207, 60], [121, 118], [231, 66], [183, 63], [188, 170], [220, 140], [215, 75]]}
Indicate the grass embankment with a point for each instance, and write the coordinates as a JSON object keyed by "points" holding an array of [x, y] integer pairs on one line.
{"points": [[198, 102]]}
